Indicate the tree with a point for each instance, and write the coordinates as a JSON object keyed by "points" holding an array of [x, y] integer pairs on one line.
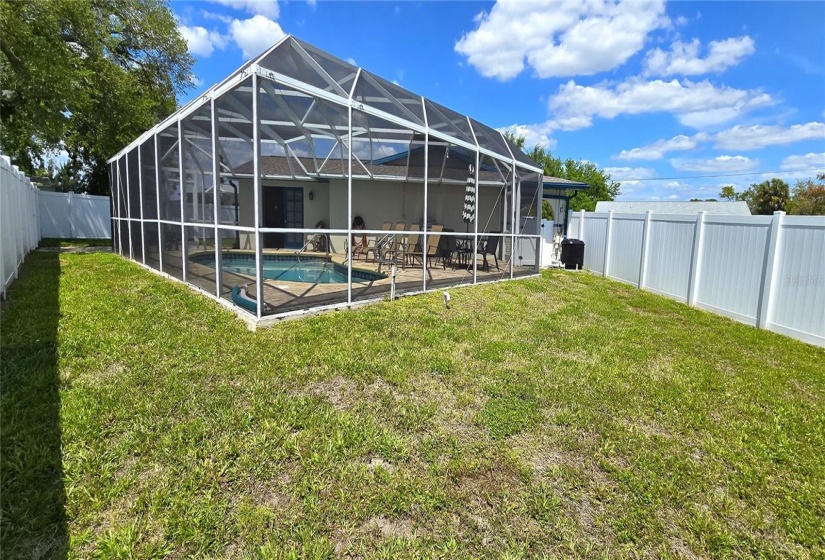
{"points": [[767, 197], [808, 197], [729, 193], [546, 211], [601, 186], [86, 76]]}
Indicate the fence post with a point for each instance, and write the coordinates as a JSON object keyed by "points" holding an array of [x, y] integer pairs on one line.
{"points": [[71, 213], [581, 225], [645, 241], [607, 237], [696, 260], [772, 248]]}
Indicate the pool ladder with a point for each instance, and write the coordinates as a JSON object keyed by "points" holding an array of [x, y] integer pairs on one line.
{"points": [[312, 241]]}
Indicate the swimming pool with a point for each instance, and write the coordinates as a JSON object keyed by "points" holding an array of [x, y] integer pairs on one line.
{"points": [[287, 268]]}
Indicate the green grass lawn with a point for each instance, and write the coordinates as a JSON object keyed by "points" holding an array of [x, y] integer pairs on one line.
{"points": [[565, 415]]}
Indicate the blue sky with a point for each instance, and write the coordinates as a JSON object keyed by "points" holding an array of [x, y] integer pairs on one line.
{"points": [[674, 99]]}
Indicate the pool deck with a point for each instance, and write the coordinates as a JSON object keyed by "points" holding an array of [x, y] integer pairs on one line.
{"points": [[282, 297]]}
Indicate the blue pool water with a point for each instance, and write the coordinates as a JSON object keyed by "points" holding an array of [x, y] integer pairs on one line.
{"points": [[289, 269]]}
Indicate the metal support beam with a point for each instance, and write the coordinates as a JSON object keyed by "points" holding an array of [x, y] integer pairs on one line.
{"points": [[216, 204], [182, 188], [256, 165], [157, 201]]}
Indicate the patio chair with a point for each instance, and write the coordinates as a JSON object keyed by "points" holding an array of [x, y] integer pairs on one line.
{"points": [[490, 248], [377, 243], [391, 250], [433, 241], [411, 244], [446, 250]]}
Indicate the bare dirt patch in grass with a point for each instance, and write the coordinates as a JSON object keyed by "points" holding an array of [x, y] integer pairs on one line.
{"points": [[390, 528], [339, 391]]}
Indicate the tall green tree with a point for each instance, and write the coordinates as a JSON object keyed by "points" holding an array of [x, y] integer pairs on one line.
{"points": [[808, 197], [602, 187], [729, 193], [86, 76], [768, 196]]}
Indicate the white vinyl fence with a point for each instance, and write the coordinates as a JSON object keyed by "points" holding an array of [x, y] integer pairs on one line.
{"points": [[19, 228], [75, 216], [766, 271]]}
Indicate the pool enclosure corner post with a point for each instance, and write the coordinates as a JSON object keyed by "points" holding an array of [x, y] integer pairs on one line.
{"points": [[475, 212], [181, 187], [256, 163], [140, 200], [539, 211], [349, 203], [348, 244], [513, 223], [475, 218], [426, 191], [216, 199], [128, 204], [157, 201], [119, 213]]}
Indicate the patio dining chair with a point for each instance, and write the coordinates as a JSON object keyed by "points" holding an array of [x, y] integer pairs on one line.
{"points": [[395, 242], [433, 242], [377, 243], [411, 244], [490, 247]]}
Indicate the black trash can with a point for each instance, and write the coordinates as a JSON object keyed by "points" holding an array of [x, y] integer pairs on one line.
{"points": [[572, 254]]}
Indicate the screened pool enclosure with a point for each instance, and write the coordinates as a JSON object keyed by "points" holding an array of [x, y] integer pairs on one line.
{"points": [[304, 182]]}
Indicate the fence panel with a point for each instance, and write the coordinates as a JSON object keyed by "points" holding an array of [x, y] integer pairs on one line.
{"points": [[670, 252], [75, 216], [18, 221], [798, 306], [733, 258], [767, 271], [595, 236], [626, 247]]}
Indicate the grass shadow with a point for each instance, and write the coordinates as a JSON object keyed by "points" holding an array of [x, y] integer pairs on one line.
{"points": [[32, 494]]}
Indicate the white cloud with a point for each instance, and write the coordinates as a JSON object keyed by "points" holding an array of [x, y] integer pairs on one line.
{"points": [[197, 82], [630, 175], [719, 164], [684, 59], [268, 8], [255, 35], [735, 138], [534, 134], [695, 104], [200, 41], [805, 162], [659, 148], [352, 61], [760, 136], [558, 39]]}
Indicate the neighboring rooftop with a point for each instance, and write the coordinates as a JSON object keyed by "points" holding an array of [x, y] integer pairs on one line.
{"points": [[738, 208], [566, 184]]}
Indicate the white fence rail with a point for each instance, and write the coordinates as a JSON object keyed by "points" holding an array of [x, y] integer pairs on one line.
{"points": [[74, 216], [766, 271], [19, 227]]}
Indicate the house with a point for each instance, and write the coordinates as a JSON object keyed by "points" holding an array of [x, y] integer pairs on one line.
{"points": [[328, 176], [558, 192]]}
